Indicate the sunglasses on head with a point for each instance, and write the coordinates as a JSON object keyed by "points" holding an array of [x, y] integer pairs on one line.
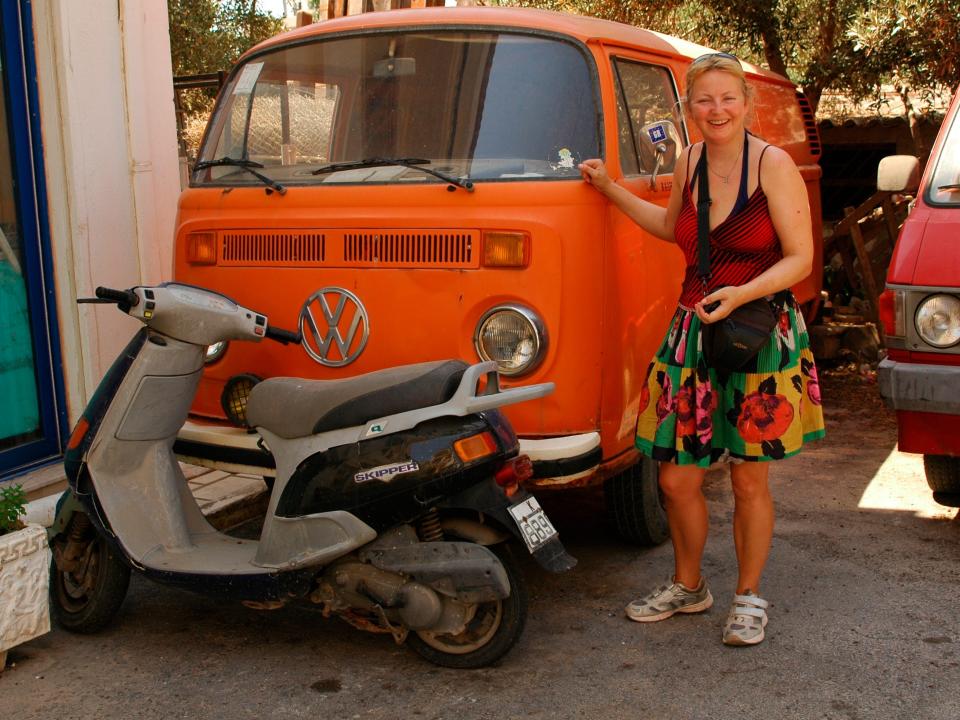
{"points": [[706, 56]]}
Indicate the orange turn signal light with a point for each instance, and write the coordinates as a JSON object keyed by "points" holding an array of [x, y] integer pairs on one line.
{"points": [[503, 248], [79, 432], [202, 248], [475, 447]]}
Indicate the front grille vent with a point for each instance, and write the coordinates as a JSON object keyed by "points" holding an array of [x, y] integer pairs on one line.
{"points": [[295, 248], [353, 248], [809, 124], [409, 249]]}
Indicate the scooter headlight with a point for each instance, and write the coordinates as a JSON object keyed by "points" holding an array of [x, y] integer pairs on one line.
{"points": [[512, 335], [215, 352], [938, 320]]}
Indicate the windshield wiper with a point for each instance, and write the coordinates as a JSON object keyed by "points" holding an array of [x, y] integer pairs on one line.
{"points": [[952, 186], [407, 162], [247, 165]]}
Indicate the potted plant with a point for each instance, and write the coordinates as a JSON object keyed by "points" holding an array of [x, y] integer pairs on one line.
{"points": [[24, 574]]}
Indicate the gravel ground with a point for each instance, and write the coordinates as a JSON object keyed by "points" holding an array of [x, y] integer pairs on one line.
{"points": [[863, 581]]}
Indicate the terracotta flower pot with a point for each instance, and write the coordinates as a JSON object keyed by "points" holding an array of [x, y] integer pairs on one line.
{"points": [[24, 587]]}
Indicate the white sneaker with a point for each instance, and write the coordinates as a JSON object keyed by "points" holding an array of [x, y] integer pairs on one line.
{"points": [[667, 600], [746, 621]]}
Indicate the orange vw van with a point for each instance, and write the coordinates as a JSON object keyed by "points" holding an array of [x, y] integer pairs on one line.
{"points": [[403, 186], [920, 311]]}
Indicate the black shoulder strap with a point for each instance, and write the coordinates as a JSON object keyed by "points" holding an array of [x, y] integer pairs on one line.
{"points": [[703, 218]]}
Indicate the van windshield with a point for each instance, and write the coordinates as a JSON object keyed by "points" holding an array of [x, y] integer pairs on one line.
{"points": [[944, 185], [472, 105]]}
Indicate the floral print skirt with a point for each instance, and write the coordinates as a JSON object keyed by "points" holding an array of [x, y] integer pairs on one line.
{"points": [[691, 414]]}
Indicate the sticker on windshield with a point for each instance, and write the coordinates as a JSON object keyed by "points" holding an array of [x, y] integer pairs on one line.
{"points": [[565, 157], [248, 78], [385, 473]]}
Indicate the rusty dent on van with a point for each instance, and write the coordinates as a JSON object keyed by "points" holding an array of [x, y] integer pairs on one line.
{"points": [[403, 185]]}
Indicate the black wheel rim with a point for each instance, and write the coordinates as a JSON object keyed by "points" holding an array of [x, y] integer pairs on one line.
{"points": [[74, 588]]}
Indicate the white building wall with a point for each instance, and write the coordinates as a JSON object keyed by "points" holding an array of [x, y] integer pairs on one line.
{"points": [[109, 136]]}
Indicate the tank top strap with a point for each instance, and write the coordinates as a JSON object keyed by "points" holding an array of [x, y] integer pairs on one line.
{"points": [[760, 164], [742, 196], [689, 154]]}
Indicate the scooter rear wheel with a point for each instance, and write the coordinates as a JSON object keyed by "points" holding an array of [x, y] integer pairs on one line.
{"points": [[490, 634], [86, 598]]}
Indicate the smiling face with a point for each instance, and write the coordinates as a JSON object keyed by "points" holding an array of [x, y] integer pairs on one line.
{"points": [[718, 105]]}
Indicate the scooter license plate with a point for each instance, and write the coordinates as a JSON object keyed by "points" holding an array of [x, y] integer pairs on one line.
{"points": [[533, 522]]}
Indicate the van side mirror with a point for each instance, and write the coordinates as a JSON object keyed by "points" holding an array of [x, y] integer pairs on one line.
{"points": [[898, 173], [661, 137]]}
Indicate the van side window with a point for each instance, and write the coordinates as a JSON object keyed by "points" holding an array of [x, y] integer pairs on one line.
{"points": [[289, 123], [646, 94]]}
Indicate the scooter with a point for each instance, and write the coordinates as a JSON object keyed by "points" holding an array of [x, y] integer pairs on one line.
{"points": [[394, 498]]}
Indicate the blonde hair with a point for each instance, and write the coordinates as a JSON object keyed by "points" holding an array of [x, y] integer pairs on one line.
{"points": [[724, 62]]}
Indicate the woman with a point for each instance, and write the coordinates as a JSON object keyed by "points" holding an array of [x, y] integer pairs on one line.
{"points": [[690, 414]]}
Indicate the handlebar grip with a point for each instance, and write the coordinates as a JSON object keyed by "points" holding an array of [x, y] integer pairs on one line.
{"points": [[125, 299], [282, 336]]}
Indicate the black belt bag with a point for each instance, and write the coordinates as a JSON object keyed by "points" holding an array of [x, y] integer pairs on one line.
{"points": [[731, 343]]}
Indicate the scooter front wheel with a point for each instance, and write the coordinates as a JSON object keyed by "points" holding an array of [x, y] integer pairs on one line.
{"points": [[89, 590], [493, 630]]}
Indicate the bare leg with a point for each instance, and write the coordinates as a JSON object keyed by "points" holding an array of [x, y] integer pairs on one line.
{"points": [[752, 522], [687, 516]]}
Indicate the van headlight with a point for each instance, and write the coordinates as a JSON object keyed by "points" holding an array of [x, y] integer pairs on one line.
{"points": [[938, 320], [512, 335]]}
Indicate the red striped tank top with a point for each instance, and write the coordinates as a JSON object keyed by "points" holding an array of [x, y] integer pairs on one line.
{"points": [[742, 246]]}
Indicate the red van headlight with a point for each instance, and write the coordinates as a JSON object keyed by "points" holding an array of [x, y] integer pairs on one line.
{"points": [[938, 320]]}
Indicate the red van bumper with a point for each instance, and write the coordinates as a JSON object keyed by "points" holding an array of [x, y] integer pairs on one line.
{"points": [[927, 401]]}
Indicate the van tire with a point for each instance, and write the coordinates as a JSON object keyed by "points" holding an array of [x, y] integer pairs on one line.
{"points": [[943, 473], [634, 504]]}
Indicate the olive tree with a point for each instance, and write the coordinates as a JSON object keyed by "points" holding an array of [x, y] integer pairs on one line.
{"points": [[852, 46]]}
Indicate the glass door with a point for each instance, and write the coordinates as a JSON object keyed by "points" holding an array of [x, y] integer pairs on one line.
{"points": [[30, 420]]}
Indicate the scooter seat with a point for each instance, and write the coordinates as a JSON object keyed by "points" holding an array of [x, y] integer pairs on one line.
{"points": [[294, 407]]}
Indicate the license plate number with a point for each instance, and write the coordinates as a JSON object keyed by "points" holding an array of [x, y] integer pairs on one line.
{"points": [[534, 525]]}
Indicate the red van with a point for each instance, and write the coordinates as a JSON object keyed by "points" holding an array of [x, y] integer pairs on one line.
{"points": [[920, 311], [404, 185]]}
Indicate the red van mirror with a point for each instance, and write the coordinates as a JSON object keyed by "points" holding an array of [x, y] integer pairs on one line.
{"points": [[898, 173]]}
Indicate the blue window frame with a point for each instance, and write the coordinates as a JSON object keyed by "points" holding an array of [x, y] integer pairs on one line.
{"points": [[33, 285]]}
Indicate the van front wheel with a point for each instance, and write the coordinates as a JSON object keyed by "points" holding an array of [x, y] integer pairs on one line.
{"points": [[635, 506], [943, 473]]}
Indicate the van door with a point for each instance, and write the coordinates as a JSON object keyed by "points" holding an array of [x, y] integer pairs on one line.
{"points": [[642, 274]]}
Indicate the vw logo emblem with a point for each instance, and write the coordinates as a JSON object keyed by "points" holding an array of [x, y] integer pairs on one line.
{"points": [[334, 326]]}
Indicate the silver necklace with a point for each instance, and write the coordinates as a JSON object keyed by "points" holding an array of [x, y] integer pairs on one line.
{"points": [[726, 178]]}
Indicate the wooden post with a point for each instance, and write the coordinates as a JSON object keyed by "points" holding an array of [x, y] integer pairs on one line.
{"points": [[866, 270], [890, 219]]}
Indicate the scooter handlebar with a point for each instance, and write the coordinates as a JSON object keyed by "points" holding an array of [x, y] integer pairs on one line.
{"points": [[125, 299], [281, 335]]}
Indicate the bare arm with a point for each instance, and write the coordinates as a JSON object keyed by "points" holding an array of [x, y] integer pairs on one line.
{"points": [[790, 211], [656, 220]]}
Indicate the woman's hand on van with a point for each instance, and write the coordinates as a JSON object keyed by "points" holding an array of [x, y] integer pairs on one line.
{"points": [[594, 172]]}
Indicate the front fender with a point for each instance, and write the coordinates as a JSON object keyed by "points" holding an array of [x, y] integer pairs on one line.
{"points": [[67, 505]]}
